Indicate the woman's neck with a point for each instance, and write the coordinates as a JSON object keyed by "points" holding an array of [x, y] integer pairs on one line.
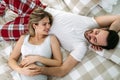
{"points": [[37, 39]]}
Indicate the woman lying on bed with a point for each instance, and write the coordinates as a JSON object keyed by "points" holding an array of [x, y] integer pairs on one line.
{"points": [[36, 43], [75, 34]]}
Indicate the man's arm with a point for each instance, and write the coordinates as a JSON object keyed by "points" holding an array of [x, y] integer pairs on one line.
{"points": [[111, 21], [67, 66]]}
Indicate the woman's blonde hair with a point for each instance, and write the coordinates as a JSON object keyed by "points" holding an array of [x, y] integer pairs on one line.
{"points": [[37, 15]]}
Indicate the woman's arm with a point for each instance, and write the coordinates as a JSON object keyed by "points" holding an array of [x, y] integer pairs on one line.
{"points": [[57, 55], [15, 54]]}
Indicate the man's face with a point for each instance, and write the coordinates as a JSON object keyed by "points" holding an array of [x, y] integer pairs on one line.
{"points": [[97, 36]]}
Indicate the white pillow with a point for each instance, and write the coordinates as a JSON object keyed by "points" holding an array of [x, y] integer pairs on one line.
{"points": [[56, 4], [82, 7], [113, 55]]}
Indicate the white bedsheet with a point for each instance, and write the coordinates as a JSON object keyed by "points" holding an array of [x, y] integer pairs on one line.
{"points": [[107, 5]]}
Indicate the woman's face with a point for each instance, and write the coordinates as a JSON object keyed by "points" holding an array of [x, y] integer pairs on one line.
{"points": [[97, 36], [43, 26]]}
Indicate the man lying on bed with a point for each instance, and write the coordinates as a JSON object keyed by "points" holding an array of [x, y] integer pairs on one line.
{"points": [[75, 33]]}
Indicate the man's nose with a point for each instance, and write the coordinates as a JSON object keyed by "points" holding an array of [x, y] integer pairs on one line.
{"points": [[92, 35]]}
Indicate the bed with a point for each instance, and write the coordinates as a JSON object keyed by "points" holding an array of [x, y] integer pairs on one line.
{"points": [[103, 65]]}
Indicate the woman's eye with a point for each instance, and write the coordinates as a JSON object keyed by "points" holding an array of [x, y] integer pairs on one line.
{"points": [[44, 24]]}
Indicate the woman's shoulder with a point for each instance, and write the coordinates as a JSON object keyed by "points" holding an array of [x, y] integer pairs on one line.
{"points": [[22, 37], [53, 38]]}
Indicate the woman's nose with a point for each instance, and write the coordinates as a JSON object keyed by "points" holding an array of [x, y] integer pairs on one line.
{"points": [[48, 25]]}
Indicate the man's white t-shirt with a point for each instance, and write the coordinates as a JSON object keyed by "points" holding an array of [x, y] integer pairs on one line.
{"points": [[69, 29]]}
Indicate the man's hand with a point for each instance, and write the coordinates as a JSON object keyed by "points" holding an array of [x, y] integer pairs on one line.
{"points": [[96, 48]]}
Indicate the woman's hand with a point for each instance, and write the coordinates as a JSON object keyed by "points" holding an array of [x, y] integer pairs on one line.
{"points": [[30, 70], [28, 60]]}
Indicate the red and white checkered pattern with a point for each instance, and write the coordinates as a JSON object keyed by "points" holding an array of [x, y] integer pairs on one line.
{"points": [[2, 9], [17, 27]]}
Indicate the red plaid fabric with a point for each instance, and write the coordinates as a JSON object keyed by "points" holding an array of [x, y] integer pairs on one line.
{"points": [[14, 29], [2, 9]]}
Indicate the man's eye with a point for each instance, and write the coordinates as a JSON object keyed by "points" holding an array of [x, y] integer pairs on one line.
{"points": [[97, 32], [91, 31]]}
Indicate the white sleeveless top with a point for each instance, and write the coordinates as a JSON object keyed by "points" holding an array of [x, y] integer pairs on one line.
{"points": [[44, 49]]}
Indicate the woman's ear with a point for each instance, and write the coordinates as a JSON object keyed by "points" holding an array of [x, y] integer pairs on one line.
{"points": [[34, 26]]}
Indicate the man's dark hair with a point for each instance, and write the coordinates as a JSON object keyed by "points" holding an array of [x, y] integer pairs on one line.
{"points": [[112, 40]]}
